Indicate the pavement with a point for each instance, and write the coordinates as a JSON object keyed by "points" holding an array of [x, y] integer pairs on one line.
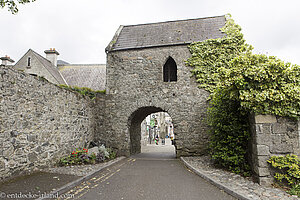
{"points": [[153, 174]]}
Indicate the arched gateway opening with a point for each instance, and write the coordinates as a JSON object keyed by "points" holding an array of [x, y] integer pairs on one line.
{"points": [[155, 131]]}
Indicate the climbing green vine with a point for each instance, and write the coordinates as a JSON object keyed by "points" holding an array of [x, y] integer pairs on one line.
{"points": [[240, 83], [263, 84], [212, 61], [209, 56]]}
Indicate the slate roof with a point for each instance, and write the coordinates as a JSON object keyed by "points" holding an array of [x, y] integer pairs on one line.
{"points": [[86, 75], [167, 33], [50, 67]]}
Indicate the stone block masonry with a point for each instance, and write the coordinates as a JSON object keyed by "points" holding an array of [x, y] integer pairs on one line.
{"points": [[271, 136], [39, 122], [135, 88]]}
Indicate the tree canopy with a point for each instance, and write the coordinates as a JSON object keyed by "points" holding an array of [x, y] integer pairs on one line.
{"points": [[12, 5]]}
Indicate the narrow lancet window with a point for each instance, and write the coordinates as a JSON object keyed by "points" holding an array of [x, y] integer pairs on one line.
{"points": [[28, 62], [170, 70]]}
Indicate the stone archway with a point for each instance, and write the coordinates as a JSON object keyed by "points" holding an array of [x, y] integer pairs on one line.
{"points": [[135, 89], [134, 126]]}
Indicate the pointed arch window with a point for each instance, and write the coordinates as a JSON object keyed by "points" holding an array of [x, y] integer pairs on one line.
{"points": [[170, 70]]}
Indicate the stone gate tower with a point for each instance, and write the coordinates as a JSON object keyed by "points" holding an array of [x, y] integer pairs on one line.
{"points": [[146, 73]]}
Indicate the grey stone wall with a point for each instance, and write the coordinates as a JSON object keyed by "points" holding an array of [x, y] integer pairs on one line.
{"points": [[135, 89], [39, 122], [271, 136]]}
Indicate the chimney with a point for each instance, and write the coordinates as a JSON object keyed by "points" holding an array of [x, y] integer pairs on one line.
{"points": [[51, 55], [6, 60]]}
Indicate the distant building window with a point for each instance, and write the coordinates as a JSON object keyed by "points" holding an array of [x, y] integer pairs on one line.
{"points": [[28, 62], [170, 70]]}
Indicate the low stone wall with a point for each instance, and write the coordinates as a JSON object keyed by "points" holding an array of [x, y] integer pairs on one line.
{"points": [[39, 122], [271, 136]]}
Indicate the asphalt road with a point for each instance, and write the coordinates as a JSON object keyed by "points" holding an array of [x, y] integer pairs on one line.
{"points": [[155, 174]]}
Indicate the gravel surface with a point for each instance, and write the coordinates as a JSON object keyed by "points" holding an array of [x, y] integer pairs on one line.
{"points": [[237, 183]]}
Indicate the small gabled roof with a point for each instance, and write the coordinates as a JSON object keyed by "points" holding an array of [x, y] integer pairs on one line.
{"points": [[181, 32], [48, 66]]}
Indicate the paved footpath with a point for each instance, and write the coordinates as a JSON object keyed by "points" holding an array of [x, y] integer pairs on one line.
{"points": [[149, 175]]}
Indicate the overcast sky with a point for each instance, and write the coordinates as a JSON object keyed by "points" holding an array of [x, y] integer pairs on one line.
{"points": [[81, 29]]}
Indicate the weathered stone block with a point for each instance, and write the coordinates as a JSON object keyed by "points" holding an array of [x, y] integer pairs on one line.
{"points": [[265, 119], [265, 181], [263, 150], [2, 164], [265, 129], [263, 139], [262, 161], [14, 133], [8, 151], [263, 171], [282, 148], [279, 128], [31, 137], [32, 157]]}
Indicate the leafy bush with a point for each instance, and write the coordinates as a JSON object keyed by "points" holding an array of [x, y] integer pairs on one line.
{"points": [[288, 171], [229, 133], [265, 85]]}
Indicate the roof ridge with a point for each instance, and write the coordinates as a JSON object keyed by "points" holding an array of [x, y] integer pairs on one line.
{"points": [[40, 56], [180, 20], [51, 69]]}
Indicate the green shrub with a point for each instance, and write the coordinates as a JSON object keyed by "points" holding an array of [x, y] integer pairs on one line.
{"points": [[229, 133], [83, 91], [80, 157], [264, 84], [77, 157], [288, 171]]}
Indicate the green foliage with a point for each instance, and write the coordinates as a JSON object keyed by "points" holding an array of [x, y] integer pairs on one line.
{"points": [[262, 84], [288, 168], [81, 156], [83, 91], [240, 83], [210, 55], [112, 154], [265, 85], [228, 120], [78, 157], [12, 4], [229, 135]]}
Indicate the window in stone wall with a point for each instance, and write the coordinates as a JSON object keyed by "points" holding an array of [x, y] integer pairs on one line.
{"points": [[170, 70], [28, 62]]}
